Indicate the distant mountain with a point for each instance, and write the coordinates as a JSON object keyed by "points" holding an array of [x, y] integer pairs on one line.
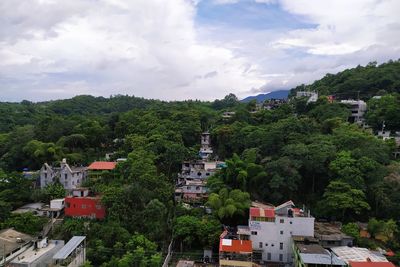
{"points": [[281, 94]]}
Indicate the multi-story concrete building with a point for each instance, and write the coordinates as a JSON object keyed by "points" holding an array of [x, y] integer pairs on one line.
{"points": [[206, 149], [357, 109], [191, 182], [69, 177], [272, 229]]}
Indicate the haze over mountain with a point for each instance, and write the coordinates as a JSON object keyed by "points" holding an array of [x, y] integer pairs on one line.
{"points": [[280, 94], [186, 49]]}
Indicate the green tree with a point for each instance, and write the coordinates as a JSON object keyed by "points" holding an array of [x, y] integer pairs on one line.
{"points": [[340, 200], [229, 206]]}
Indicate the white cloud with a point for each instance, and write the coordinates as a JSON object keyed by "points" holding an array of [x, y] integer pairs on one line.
{"points": [[153, 48], [148, 48]]}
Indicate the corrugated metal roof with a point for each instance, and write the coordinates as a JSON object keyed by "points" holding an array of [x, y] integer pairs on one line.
{"points": [[357, 254], [66, 250], [326, 259]]}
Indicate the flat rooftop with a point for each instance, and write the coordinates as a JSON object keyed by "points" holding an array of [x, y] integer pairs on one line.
{"points": [[358, 254], [32, 254], [11, 240]]}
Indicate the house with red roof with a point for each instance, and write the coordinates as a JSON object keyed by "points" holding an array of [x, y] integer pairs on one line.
{"points": [[272, 227], [235, 248], [99, 168]]}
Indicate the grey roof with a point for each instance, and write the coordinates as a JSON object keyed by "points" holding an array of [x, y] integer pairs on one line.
{"points": [[72, 244], [326, 259], [11, 240]]}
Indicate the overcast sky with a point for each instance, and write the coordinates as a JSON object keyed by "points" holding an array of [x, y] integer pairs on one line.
{"points": [[186, 49]]}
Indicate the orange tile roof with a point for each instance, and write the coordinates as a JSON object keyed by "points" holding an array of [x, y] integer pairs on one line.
{"points": [[238, 246], [102, 165], [370, 264], [259, 212]]}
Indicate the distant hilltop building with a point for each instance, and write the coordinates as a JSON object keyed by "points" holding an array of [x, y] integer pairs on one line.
{"points": [[70, 177], [312, 95], [357, 109]]}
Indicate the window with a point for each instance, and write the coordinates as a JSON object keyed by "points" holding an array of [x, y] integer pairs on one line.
{"points": [[68, 204], [199, 174], [253, 232], [197, 187], [83, 206], [45, 175], [73, 182], [98, 207], [281, 246], [281, 232], [291, 222], [188, 187], [207, 174], [65, 176], [266, 244], [282, 221], [77, 181], [272, 245], [268, 256], [260, 245], [280, 257]]}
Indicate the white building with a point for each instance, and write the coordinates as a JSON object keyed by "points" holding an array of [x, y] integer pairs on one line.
{"points": [[357, 109], [272, 229], [312, 95], [69, 177]]}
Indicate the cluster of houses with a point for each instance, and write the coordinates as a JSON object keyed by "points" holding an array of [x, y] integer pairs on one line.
{"points": [[191, 182], [22, 250], [289, 236]]}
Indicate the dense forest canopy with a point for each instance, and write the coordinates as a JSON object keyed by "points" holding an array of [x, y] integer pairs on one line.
{"points": [[308, 153]]}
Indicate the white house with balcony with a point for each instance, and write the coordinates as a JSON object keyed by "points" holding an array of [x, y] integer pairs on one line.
{"points": [[272, 229]]}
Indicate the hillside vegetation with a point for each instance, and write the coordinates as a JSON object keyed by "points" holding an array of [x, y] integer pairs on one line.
{"points": [[366, 81], [309, 154]]}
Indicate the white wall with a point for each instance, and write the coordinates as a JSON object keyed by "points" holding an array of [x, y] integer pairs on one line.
{"points": [[269, 234]]}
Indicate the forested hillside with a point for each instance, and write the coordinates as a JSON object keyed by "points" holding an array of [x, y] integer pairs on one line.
{"points": [[364, 82], [307, 153]]}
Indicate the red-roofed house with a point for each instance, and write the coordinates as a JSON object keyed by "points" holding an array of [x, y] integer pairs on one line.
{"points": [[102, 166], [370, 264], [235, 250], [272, 228], [97, 168]]}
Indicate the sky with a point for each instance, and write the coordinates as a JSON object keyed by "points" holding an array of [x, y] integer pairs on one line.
{"points": [[186, 49]]}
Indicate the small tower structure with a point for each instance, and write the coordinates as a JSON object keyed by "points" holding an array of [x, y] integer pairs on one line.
{"points": [[206, 149]]}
